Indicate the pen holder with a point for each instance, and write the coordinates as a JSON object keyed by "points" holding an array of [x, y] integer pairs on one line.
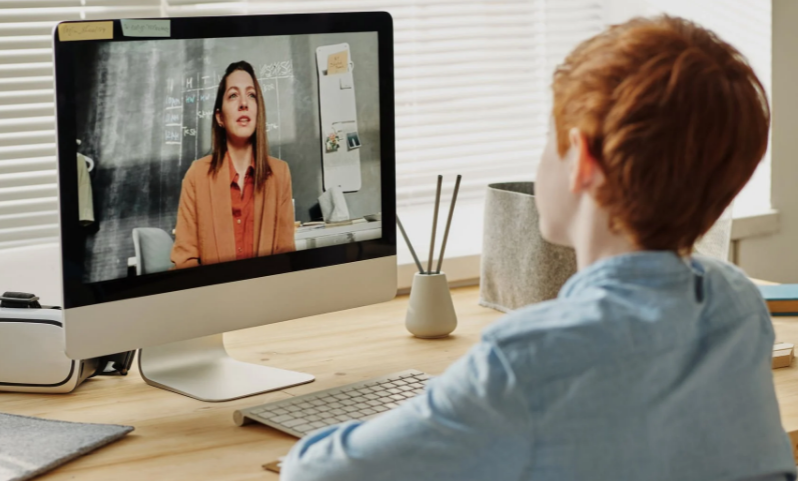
{"points": [[430, 314]]}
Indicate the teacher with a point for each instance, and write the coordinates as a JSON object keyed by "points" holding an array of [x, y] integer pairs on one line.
{"points": [[235, 203]]}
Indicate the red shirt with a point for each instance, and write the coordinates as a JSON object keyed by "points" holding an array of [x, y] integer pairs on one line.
{"points": [[243, 210]]}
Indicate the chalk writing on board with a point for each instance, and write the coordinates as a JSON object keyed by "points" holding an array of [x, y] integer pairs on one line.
{"points": [[277, 69]]}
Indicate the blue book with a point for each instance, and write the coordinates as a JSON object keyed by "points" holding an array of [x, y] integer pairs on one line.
{"points": [[782, 299]]}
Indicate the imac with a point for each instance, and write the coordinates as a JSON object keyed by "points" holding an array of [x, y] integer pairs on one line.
{"points": [[221, 173]]}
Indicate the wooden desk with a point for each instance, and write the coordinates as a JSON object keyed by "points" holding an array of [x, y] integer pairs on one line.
{"points": [[786, 380], [179, 438]]}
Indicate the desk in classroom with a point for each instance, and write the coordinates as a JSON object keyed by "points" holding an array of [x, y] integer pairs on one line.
{"points": [[180, 438]]}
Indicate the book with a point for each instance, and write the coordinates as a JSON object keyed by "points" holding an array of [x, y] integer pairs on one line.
{"points": [[782, 299]]}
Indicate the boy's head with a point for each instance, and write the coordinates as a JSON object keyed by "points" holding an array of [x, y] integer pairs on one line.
{"points": [[657, 125]]}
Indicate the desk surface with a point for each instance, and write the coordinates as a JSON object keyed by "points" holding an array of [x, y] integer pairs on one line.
{"points": [[179, 438]]}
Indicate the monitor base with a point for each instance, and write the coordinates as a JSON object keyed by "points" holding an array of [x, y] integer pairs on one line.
{"points": [[201, 369]]}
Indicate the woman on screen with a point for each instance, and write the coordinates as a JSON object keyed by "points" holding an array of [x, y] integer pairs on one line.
{"points": [[235, 203]]}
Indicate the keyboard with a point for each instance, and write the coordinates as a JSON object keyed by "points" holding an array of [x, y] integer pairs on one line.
{"points": [[361, 400]]}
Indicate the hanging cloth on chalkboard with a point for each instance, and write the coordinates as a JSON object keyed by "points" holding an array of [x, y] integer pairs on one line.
{"points": [[85, 201]]}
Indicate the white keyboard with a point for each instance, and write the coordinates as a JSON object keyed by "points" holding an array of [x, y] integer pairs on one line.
{"points": [[361, 400]]}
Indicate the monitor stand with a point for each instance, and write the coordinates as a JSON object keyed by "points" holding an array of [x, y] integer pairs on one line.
{"points": [[201, 368]]}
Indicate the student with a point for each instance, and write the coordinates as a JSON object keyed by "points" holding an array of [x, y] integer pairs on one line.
{"points": [[652, 364], [235, 203]]}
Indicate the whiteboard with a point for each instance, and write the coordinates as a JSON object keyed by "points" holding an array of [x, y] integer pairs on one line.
{"points": [[338, 111]]}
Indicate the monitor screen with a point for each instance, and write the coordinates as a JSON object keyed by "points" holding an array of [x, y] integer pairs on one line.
{"points": [[222, 149], [237, 148]]}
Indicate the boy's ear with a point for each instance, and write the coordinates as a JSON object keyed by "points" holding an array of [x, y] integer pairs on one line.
{"points": [[585, 171]]}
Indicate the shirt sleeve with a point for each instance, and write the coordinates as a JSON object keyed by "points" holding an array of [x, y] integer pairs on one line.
{"points": [[470, 423]]}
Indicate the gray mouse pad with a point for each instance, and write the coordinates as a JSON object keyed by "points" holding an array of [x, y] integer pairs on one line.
{"points": [[32, 446]]}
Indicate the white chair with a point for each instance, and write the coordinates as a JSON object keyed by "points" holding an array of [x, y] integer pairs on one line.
{"points": [[153, 248]]}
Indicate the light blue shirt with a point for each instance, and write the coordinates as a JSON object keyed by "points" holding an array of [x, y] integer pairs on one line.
{"points": [[646, 367]]}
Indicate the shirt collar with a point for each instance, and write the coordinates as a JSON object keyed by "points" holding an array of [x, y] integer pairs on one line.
{"points": [[650, 268]]}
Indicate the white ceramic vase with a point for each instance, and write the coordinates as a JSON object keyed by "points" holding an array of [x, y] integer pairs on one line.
{"points": [[430, 313]]}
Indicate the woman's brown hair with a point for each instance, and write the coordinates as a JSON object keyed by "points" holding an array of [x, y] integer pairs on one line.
{"points": [[260, 143], [676, 118]]}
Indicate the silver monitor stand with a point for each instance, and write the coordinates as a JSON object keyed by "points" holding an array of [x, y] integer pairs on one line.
{"points": [[201, 368]]}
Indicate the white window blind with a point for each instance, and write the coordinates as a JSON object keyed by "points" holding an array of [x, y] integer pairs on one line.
{"points": [[28, 184], [472, 94]]}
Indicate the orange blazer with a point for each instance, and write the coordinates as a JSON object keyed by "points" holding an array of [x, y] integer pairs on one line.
{"points": [[205, 234]]}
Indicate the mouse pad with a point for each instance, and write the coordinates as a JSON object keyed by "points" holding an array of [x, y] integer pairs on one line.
{"points": [[32, 446]]}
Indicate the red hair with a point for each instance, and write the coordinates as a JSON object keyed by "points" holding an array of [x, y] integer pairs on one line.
{"points": [[676, 119]]}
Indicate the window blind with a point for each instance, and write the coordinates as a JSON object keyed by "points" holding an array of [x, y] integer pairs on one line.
{"points": [[28, 181], [472, 89]]}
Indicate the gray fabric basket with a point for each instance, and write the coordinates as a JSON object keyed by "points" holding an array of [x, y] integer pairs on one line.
{"points": [[518, 266]]}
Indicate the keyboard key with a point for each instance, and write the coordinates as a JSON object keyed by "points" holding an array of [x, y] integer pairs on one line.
{"points": [[403, 376], [282, 419], [318, 424], [405, 388], [389, 385], [356, 415], [374, 403], [311, 411], [397, 397], [292, 409], [347, 402], [338, 411], [380, 409], [399, 382], [391, 405], [367, 412], [327, 415], [335, 405], [395, 391], [382, 393], [371, 396], [305, 405], [317, 402], [280, 411], [304, 428], [343, 419], [293, 422], [350, 409], [257, 410], [417, 385], [341, 396], [313, 417], [267, 415], [323, 408]]}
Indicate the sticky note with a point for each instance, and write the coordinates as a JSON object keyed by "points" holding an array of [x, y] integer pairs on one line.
{"points": [[146, 28], [68, 32], [338, 63]]}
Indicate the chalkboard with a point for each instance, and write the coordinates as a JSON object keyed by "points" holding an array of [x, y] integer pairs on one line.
{"points": [[145, 111]]}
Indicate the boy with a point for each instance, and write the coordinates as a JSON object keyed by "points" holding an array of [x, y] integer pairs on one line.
{"points": [[651, 364]]}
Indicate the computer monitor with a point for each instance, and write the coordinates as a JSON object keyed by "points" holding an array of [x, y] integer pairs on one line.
{"points": [[221, 173]]}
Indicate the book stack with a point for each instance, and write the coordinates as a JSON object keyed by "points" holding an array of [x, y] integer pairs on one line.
{"points": [[782, 299]]}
